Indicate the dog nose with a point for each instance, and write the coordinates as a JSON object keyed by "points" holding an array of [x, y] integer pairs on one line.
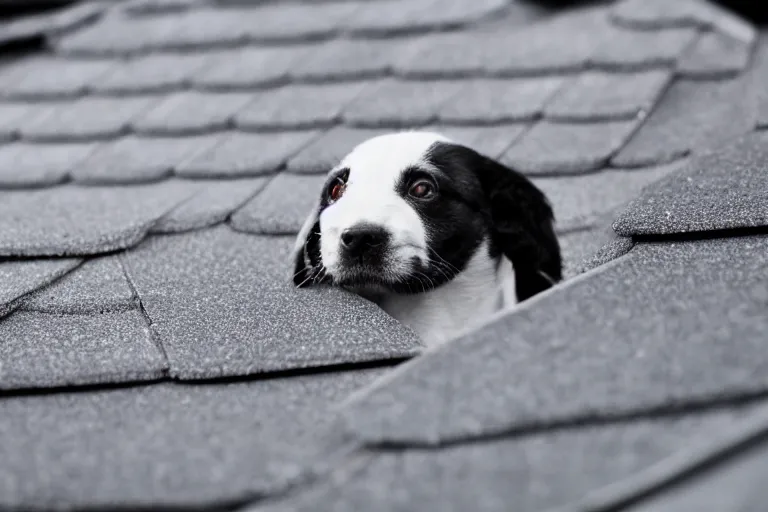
{"points": [[361, 239]]}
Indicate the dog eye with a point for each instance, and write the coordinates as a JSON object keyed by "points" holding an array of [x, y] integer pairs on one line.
{"points": [[336, 190], [422, 189]]}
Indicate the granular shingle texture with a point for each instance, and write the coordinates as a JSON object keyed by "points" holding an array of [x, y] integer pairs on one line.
{"points": [[157, 158], [654, 329], [19, 278], [535, 472], [568, 148], [726, 188], [98, 285], [49, 350], [78, 221], [167, 444], [219, 300]]}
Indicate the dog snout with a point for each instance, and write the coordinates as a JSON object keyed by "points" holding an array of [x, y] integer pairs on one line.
{"points": [[364, 240]]}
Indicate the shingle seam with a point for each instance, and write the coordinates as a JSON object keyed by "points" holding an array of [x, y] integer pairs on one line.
{"points": [[147, 318], [575, 422], [695, 235], [18, 302], [703, 455]]}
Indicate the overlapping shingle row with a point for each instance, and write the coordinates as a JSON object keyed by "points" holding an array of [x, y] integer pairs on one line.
{"points": [[158, 160]]}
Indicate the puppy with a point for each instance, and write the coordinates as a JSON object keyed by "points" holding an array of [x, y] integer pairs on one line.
{"points": [[437, 234]]}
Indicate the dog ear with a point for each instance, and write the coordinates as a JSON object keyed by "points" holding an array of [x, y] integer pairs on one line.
{"points": [[306, 251], [523, 226]]}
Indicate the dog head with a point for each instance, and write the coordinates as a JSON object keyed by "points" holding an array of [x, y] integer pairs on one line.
{"points": [[405, 212]]}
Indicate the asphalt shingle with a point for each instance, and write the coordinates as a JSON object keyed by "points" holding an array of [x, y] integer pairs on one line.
{"points": [[489, 140], [551, 148], [18, 278], [579, 201], [13, 116], [86, 119], [344, 59], [579, 248], [715, 56], [73, 220], [117, 35], [664, 326], [97, 286], [40, 165], [190, 112], [546, 471], [298, 22], [597, 95], [246, 154], [46, 77], [49, 23], [559, 44], [167, 445], [281, 208], [638, 49], [392, 103], [223, 304], [407, 16], [152, 73], [44, 350], [211, 206], [659, 14], [691, 115], [499, 101], [249, 67], [725, 188], [327, 150], [139, 159], [298, 107]]}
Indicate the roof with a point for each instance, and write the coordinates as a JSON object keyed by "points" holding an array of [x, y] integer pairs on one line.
{"points": [[159, 156]]}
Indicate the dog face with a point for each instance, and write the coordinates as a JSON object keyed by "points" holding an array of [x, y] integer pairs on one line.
{"points": [[404, 213]]}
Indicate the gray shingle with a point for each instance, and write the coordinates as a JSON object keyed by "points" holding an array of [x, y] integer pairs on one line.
{"points": [[204, 28], [637, 49], [190, 113], [223, 304], [656, 14], [568, 148], [722, 189], [553, 470], [342, 59], [691, 115], [250, 66], [167, 445], [597, 95], [39, 165], [116, 35], [97, 286], [298, 106], [715, 56], [664, 326], [498, 101], [152, 73], [735, 484], [86, 119], [555, 45], [404, 16], [489, 140], [245, 154], [282, 206], [327, 150], [21, 277], [578, 247], [146, 7], [13, 116], [212, 205], [139, 159], [579, 201], [82, 220], [44, 350], [392, 103], [50, 23], [46, 77], [297, 22]]}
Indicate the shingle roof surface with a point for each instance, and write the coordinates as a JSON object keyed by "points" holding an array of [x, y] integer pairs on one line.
{"points": [[157, 158]]}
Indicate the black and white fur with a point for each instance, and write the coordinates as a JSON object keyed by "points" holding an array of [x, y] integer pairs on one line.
{"points": [[482, 240]]}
